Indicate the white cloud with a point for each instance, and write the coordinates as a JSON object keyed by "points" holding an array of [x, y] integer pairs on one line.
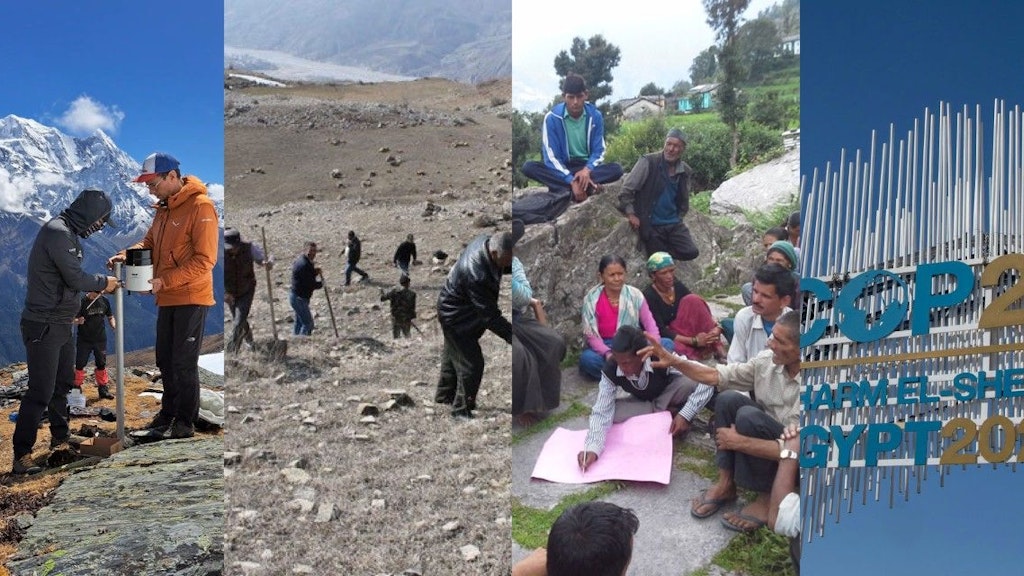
{"points": [[14, 191], [86, 115], [215, 191]]}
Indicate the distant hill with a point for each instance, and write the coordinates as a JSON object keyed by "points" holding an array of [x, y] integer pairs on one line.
{"points": [[464, 40], [43, 170]]}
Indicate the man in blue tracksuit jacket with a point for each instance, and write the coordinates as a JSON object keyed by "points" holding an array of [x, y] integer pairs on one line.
{"points": [[572, 144]]}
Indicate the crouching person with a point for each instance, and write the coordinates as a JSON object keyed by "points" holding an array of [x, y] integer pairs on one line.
{"points": [[748, 431]]}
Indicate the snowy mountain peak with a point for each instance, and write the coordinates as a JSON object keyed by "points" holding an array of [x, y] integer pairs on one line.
{"points": [[42, 170]]}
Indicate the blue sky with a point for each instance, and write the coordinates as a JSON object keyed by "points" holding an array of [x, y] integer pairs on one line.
{"points": [[865, 65], [149, 74]]}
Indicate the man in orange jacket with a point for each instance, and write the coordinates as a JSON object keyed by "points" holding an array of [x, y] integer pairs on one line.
{"points": [[183, 239]]}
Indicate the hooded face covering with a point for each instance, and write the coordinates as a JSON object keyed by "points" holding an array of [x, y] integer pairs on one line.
{"points": [[89, 212]]}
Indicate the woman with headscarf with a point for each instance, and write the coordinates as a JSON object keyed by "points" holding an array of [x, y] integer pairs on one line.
{"points": [[682, 317], [537, 352], [611, 304]]}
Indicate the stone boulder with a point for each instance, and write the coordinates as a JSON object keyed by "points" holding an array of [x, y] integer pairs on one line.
{"points": [[561, 258], [761, 188]]}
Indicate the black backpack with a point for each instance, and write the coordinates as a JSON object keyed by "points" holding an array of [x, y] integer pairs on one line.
{"points": [[541, 207]]}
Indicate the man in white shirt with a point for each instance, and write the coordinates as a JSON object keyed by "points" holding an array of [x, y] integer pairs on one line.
{"points": [[773, 286]]}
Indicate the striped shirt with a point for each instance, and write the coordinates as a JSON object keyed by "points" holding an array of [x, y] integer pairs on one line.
{"points": [[604, 409]]}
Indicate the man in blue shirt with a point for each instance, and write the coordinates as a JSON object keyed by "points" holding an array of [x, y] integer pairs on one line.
{"points": [[656, 196], [572, 145]]}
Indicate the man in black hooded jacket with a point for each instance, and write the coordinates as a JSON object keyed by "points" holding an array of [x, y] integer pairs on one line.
{"points": [[55, 278]]}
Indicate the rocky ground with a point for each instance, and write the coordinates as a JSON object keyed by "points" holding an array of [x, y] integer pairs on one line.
{"points": [[338, 460], [60, 517]]}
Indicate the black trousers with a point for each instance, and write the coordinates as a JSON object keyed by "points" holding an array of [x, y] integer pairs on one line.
{"points": [[672, 238], [242, 332], [179, 336], [50, 353], [757, 474], [98, 351], [462, 370], [400, 328]]}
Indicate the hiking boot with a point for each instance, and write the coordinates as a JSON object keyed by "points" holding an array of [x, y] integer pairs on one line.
{"points": [[161, 423], [25, 465], [73, 439], [104, 392], [182, 429]]}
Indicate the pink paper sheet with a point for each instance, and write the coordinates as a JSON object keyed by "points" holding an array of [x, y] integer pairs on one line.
{"points": [[639, 449]]}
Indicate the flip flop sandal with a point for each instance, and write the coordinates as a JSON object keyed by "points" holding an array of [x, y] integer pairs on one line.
{"points": [[715, 503], [757, 523]]}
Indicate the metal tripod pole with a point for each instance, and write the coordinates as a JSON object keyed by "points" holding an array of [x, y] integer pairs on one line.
{"points": [[119, 351]]}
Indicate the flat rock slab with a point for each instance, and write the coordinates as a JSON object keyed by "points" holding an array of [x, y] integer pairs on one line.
{"points": [[152, 509]]}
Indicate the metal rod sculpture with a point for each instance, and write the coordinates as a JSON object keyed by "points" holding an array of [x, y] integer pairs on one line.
{"points": [[928, 201]]}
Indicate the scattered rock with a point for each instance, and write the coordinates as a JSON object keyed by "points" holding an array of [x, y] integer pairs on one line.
{"points": [[326, 512], [469, 552], [296, 475]]}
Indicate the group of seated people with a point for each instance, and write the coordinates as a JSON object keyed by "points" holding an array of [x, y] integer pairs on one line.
{"points": [[663, 347]]}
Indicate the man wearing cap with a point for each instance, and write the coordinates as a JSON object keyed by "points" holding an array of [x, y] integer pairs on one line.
{"points": [[572, 145], [55, 277], [240, 284], [467, 307], [405, 255], [655, 198], [184, 238], [650, 390]]}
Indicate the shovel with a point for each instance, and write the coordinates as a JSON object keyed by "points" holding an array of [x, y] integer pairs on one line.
{"points": [[278, 348]]}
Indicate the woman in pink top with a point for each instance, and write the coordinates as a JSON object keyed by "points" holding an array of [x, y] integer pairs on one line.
{"points": [[611, 304]]}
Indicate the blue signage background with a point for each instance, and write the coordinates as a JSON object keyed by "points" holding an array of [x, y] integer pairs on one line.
{"points": [[865, 65]]}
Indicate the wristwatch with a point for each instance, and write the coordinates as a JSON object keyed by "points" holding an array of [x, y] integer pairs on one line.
{"points": [[787, 454]]}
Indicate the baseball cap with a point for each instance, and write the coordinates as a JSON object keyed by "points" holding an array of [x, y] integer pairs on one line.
{"points": [[155, 164]]}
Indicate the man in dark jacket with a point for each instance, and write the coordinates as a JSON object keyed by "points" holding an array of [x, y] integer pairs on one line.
{"points": [[55, 277], [304, 281], [240, 284], [355, 251], [403, 307], [405, 255], [656, 196], [467, 307]]}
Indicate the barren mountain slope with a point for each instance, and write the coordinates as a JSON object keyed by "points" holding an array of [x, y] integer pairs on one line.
{"points": [[313, 487]]}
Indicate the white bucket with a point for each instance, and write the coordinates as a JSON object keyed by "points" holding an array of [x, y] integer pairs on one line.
{"points": [[138, 270]]}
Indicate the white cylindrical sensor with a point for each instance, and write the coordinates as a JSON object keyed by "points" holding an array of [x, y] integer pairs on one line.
{"points": [[138, 270]]}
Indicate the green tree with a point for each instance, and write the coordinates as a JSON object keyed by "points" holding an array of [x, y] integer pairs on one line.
{"points": [[724, 18], [786, 16], [525, 143], [704, 67], [651, 89], [696, 103], [758, 42], [593, 60], [767, 109], [681, 87]]}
